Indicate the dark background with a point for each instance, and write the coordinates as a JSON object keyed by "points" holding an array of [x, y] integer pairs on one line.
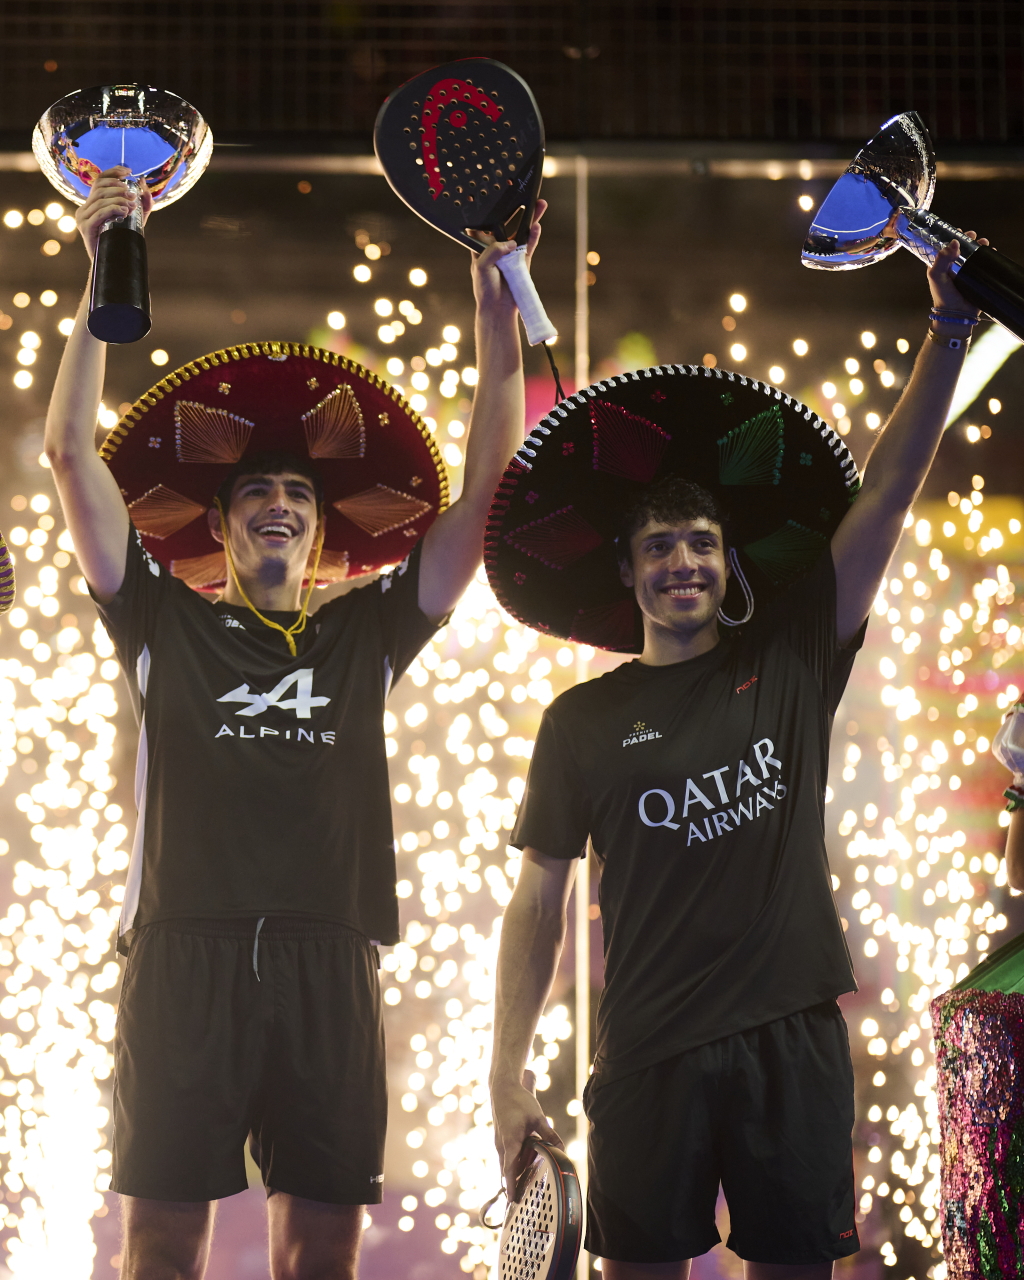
{"points": [[600, 70], [678, 84]]}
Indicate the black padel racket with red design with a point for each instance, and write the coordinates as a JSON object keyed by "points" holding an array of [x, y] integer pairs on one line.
{"points": [[463, 146], [543, 1227]]}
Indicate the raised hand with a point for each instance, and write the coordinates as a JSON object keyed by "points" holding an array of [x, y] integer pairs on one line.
{"points": [[109, 198], [489, 286], [943, 284]]}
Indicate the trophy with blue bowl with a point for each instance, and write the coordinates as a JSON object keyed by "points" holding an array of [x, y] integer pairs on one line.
{"points": [[163, 141], [883, 202]]}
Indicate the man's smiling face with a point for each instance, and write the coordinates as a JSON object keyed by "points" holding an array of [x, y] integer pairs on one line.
{"points": [[679, 574], [271, 523]]}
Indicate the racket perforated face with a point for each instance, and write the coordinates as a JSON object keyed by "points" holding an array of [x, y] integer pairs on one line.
{"points": [[541, 1236], [463, 146]]}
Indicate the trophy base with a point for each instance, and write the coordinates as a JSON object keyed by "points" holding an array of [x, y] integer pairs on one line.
{"points": [[995, 284], [117, 323], [119, 310]]}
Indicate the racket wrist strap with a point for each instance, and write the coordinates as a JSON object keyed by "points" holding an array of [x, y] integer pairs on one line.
{"points": [[513, 267]]}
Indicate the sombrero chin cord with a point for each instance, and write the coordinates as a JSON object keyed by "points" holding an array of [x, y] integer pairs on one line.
{"points": [[299, 624]]}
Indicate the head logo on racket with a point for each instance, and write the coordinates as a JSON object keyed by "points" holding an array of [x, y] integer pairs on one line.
{"points": [[463, 146], [445, 94]]}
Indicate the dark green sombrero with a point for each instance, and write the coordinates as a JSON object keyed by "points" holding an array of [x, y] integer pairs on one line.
{"points": [[782, 475]]}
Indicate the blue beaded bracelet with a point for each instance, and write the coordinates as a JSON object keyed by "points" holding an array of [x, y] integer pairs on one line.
{"points": [[950, 319]]}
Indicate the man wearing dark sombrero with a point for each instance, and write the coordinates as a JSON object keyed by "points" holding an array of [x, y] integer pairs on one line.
{"points": [[263, 871], [719, 529]]}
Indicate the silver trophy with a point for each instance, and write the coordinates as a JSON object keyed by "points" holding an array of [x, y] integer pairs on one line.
{"points": [[883, 200], [165, 143]]}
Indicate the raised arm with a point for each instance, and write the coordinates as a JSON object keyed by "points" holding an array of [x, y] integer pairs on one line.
{"points": [[900, 459], [453, 547], [93, 507], [532, 933]]}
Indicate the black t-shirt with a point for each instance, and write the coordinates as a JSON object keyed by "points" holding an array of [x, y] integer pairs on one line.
{"points": [[262, 779], [702, 787]]}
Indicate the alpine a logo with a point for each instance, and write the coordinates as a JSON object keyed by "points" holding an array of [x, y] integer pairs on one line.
{"points": [[300, 685], [640, 733], [303, 702]]}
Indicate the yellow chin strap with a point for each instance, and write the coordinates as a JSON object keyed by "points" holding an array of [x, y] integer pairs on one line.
{"points": [[299, 624]]}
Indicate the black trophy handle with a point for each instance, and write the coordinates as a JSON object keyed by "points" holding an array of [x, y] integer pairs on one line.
{"points": [[119, 307], [995, 283]]}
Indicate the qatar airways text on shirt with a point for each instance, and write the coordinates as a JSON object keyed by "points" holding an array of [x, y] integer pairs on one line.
{"points": [[658, 807]]}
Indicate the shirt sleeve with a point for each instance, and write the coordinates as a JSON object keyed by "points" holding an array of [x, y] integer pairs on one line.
{"points": [[804, 616], [130, 617], [555, 814], [405, 628]]}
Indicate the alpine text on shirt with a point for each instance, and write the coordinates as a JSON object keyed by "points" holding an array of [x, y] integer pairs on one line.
{"points": [[702, 787], [262, 779]]}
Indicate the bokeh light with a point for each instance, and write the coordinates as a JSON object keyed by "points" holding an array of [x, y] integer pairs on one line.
{"points": [[57, 741], [912, 818]]}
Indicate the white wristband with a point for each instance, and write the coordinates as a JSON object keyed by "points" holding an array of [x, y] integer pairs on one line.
{"points": [[513, 267]]}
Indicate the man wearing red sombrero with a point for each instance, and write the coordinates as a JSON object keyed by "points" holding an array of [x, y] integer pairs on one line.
{"points": [[262, 873], [720, 529]]}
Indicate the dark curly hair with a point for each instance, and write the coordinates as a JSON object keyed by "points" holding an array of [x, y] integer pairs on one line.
{"points": [[671, 500]]}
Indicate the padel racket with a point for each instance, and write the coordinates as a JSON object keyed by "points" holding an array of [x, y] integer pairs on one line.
{"points": [[463, 146], [543, 1227]]}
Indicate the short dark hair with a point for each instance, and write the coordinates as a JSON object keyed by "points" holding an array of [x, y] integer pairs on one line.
{"points": [[269, 463], [670, 500]]}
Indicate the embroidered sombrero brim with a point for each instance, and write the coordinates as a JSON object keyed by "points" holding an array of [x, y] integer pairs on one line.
{"points": [[783, 476], [8, 587], [383, 477]]}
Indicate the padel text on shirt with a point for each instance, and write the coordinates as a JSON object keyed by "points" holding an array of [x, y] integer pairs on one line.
{"points": [[702, 787], [262, 779]]}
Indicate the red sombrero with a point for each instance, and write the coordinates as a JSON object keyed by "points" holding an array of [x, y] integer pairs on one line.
{"points": [[383, 478], [784, 478]]}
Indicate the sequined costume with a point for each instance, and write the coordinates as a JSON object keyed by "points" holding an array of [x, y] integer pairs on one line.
{"points": [[979, 1056]]}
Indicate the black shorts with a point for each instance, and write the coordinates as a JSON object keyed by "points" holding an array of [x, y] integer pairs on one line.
{"points": [[206, 1054], [768, 1113]]}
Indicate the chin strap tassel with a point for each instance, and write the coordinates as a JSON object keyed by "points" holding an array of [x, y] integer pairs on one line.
{"points": [[299, 624], [738, 622]]}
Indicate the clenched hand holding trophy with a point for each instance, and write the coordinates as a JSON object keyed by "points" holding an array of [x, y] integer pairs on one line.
{"points": [[162, 144], [883, 201]]}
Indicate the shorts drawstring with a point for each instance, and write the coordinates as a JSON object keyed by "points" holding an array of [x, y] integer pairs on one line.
{"points": [[255, 949]]}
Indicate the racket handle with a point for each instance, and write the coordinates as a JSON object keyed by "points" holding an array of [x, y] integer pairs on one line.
{"points": [[513, 267]]}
